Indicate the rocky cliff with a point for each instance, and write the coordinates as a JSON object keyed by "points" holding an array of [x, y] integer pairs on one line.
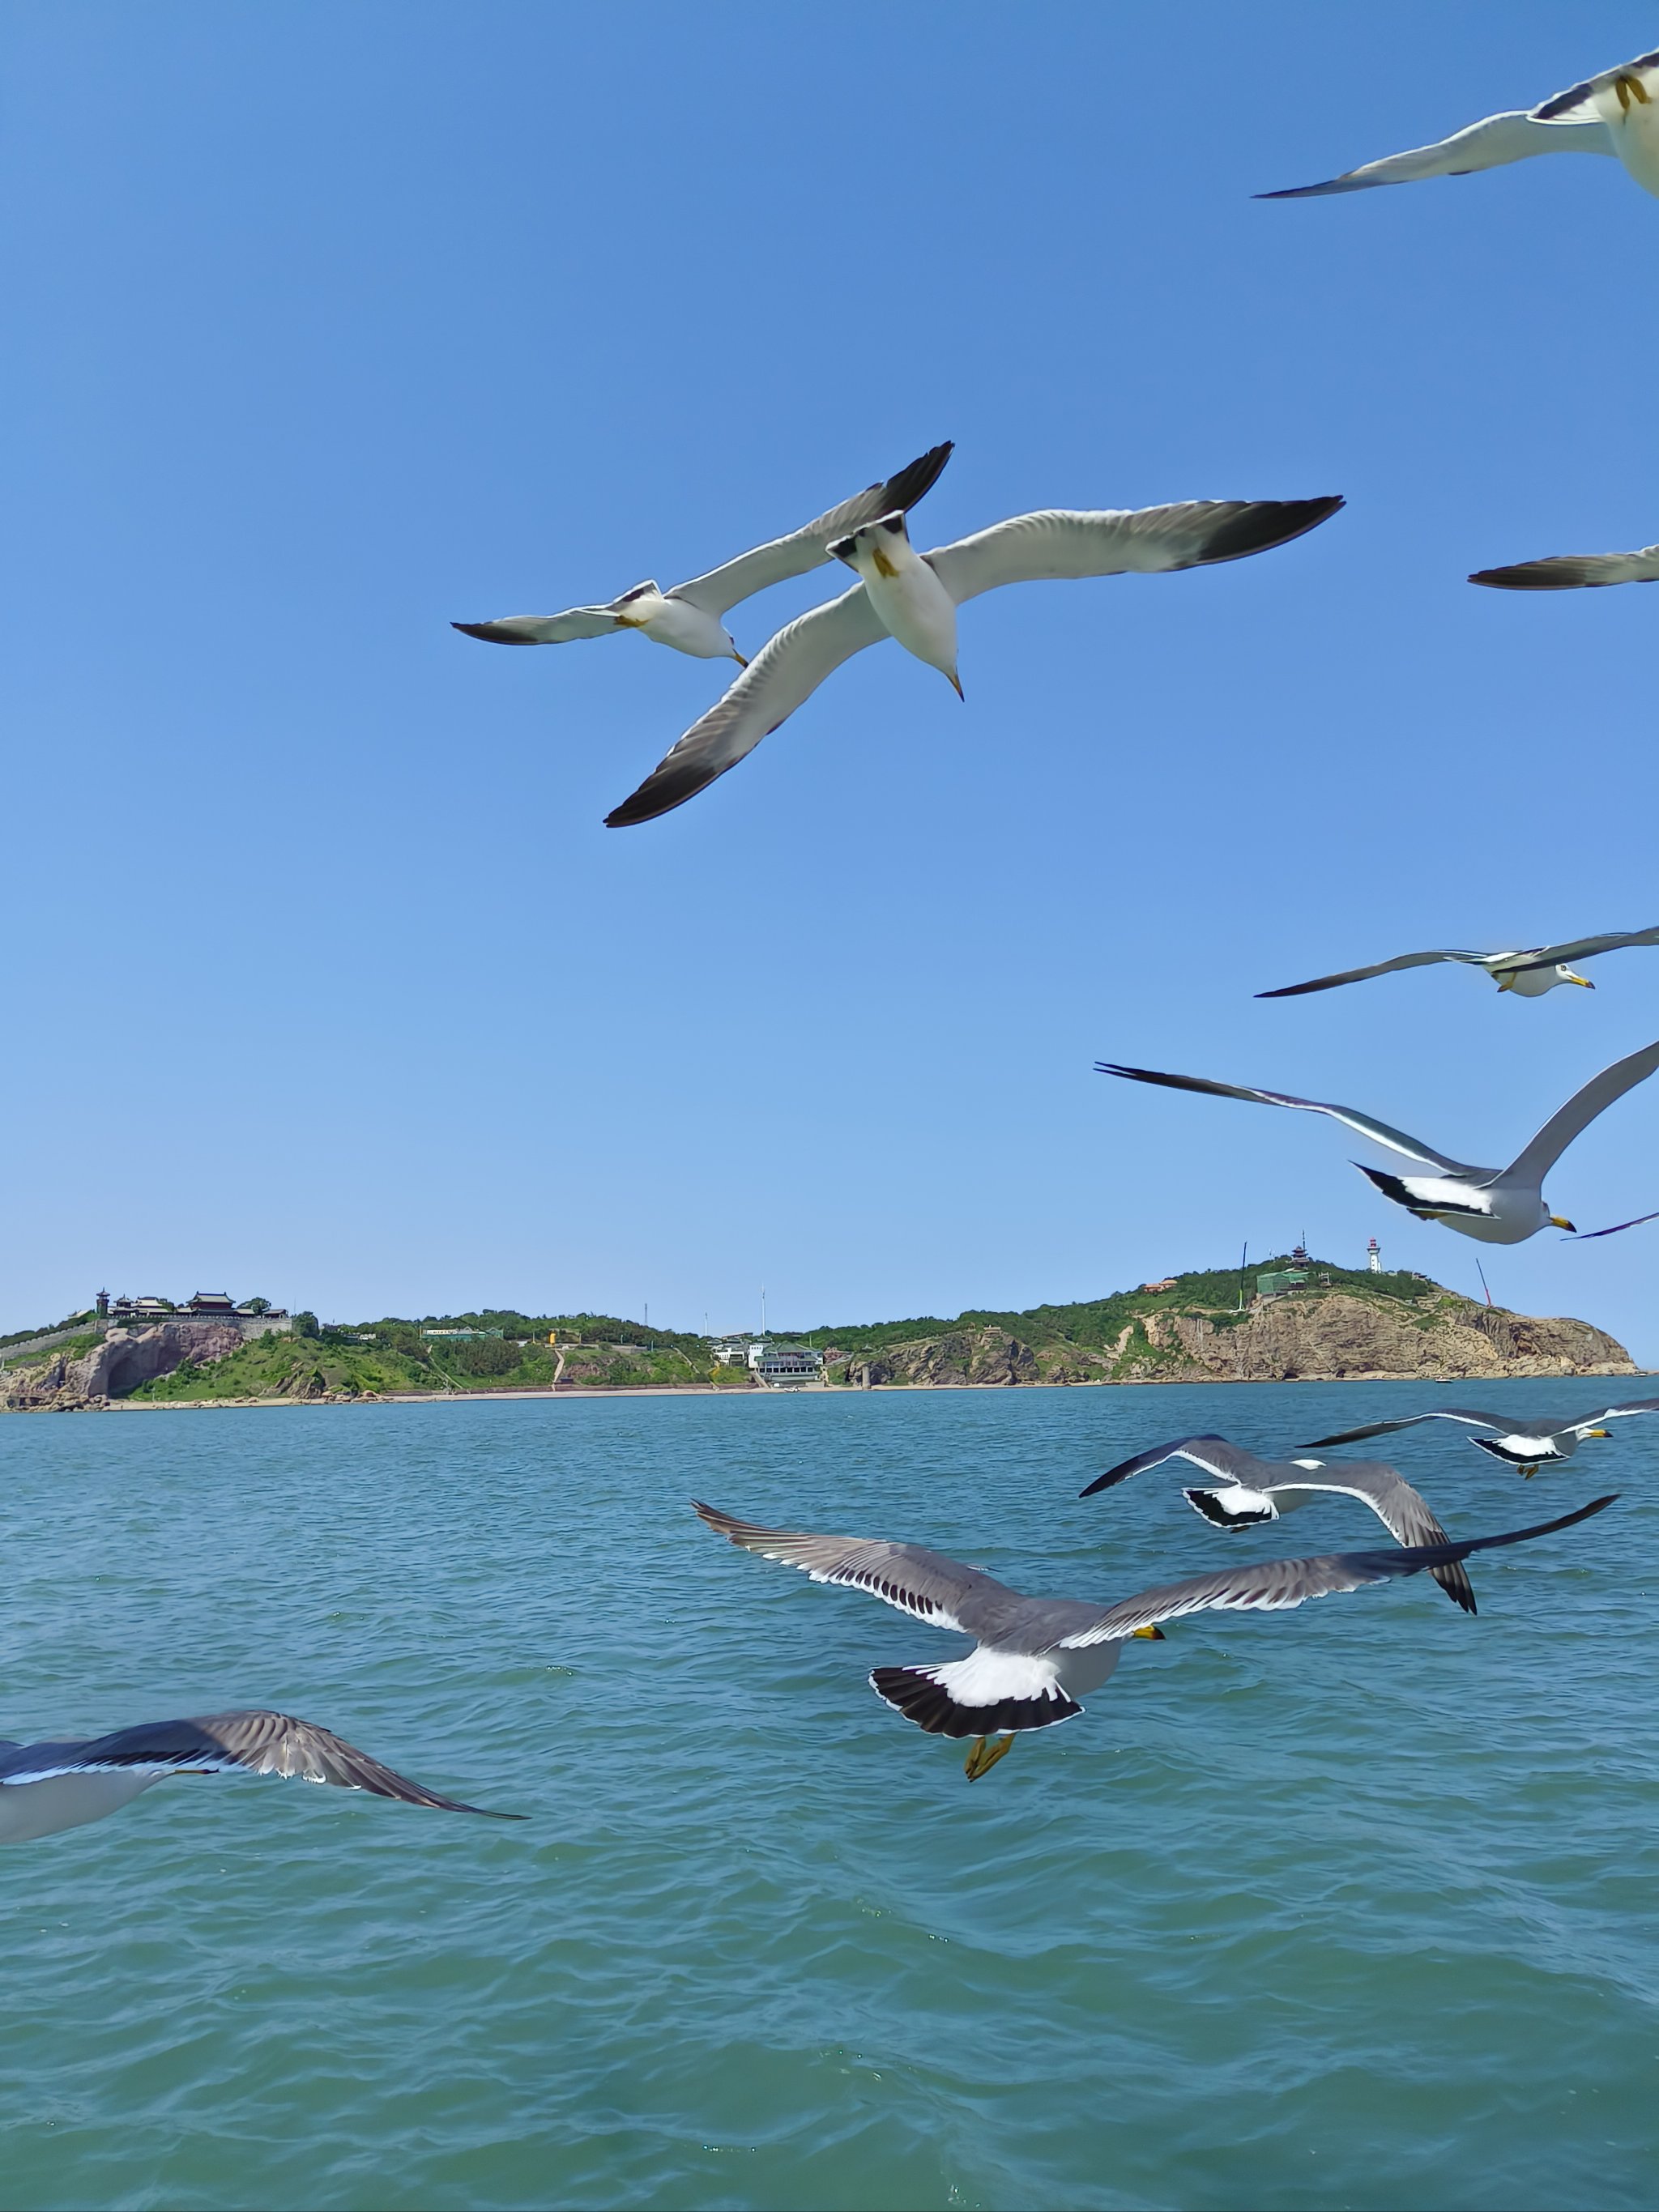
{"points": [[127, 1357], [1329, 1336]]}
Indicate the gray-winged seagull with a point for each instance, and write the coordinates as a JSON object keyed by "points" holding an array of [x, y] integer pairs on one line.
{"points": [[48, 1787], [1544, 1440], [688, 616], [1615, 112], [1035, 1657], [1248, 1491], [1527, 974], [914, 596], [1495, 1206]]}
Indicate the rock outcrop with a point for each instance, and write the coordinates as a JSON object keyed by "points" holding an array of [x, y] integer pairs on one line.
{"points": [[127, 1357], [1333, 1336]]}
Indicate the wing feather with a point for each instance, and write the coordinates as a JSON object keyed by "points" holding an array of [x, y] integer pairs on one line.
{"points": [[545, 629], [1276, 1585], [1403, 1511], [1488, 144], [1378, 967], [809, 546], [1534, 1163], [785, 671], [923, 1583], [1578, 948], [1498, 1422], [1379, 1131], [258, 1743], [1060, 543], [1212, 1453], [1569, 572]]}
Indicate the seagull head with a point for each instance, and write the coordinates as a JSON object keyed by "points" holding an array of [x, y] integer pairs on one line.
{"points": [[1564, 975]]}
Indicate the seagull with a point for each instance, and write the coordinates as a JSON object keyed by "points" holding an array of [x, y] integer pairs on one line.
{"points": [[1035, 1657], [1616, 112], [1495, 1206], [1529, 973], [1249, 1491], [688, 616], [45, 1787], [1567, 572], [914, 596], [1546, 1442]]}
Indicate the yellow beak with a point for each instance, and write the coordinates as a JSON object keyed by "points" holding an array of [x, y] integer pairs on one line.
{"points": [[1598, 1432], [1584, 980], [1152, 1635], [1560, 1221]]}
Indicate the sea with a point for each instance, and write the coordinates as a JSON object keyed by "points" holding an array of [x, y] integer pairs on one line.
{"points": [[1349, 1906]]}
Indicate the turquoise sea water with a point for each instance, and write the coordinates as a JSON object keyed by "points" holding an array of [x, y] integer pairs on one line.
{"points": [[1353, 1907]]}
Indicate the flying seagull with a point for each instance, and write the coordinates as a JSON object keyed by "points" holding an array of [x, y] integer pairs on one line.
{"points": [[1035, 1657], [1249, 1490], [1567, 572], [914, 596], [1547, 1440], [1529, 975], [1616, 112], [688, 616], [1495, 1206], [48, 1787]]}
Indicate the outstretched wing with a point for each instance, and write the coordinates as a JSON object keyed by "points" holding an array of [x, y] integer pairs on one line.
{"points": [[1489, 144], [1060, 543], [546, 630], [1607, 94], [1570, 572], [1275, 1585], [1578, 948], [1379, 1131], [1499, 1422], [921, 1582], [1584, 1237], [255, 1741], [1363, 974], [788, 668], [1403, 1512], [1213, 1454], [1632, 1406], [1533, 1164], [809, 546]]}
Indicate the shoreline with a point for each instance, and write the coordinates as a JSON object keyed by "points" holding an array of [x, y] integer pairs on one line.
{"points": [[816, 1390]]}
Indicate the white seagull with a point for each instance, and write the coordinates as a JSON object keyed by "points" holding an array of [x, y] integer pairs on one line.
{"points": [[1495, 1206], [1249, 1490], [1547, 1440], [1527, 974], [688, 616], [1616, 112], [48, 1787], [1569, 572], [913, 598], [1035, 1657]]}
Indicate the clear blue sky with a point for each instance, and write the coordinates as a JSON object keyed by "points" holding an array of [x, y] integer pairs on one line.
{"points": [[324, 979]]}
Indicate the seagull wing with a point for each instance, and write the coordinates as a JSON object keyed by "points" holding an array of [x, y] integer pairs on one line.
{"points": [[787, 670], [256, 1742], [1378, 1132], [809, 546], [546, 630], [1580, 100], [1485, 145], [1403, 1512], [1618, 1413], [921, 1582], [1568, 572], [1584, 1236], [1213, 1454], [1580, 1111], [1275, 1585], [1060, 543], [1580, 948], [1380, 968], [1500, 1422]]}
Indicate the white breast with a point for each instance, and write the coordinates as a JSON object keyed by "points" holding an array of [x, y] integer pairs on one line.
{"points": [[32, 1809]]}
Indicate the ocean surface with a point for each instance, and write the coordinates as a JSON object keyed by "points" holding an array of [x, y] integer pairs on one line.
{"points": [[1353, 1907]]}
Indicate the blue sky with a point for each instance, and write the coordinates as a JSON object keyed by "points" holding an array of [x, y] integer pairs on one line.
{"points": [[325, 979]]}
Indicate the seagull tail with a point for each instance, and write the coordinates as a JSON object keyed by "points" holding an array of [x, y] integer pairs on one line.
{"points": [[1208, 1502], [932, 1697]]}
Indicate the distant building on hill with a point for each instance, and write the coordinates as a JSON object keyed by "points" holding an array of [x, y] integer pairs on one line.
{"points": [[1168, 1282], [1374, 1257], [464, 1335], [255, 1317], [1278, 1280]]}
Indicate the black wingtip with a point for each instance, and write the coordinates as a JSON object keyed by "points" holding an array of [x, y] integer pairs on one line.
{"points": [[1264, 524], [914, 481], [1529, 576]]}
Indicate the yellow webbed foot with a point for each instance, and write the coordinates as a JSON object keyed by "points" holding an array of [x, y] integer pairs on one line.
{"points": [[985, 1754]]}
